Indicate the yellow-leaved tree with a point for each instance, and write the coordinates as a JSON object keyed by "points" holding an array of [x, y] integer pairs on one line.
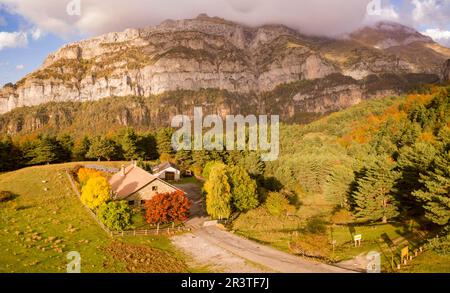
{"points": [[96, 192]]}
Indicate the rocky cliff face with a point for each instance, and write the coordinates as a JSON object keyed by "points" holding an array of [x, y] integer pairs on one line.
{"points": [[212, 53]]}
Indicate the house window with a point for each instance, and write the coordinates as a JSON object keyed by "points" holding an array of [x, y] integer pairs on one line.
{"points": [[142, 202], [131, 202], [154, 188]]}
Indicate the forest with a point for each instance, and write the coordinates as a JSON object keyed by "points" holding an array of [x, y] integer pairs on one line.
{"points": [[383, 160]]}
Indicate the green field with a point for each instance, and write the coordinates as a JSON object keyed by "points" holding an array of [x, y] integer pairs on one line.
{"points": [[45, 221]]}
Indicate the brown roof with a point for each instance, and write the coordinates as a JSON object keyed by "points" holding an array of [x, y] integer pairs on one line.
{"points": [[164, 166], [134, 180]]}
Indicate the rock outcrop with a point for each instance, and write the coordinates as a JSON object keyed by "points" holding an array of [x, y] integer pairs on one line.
{"points": [[212, 53]]}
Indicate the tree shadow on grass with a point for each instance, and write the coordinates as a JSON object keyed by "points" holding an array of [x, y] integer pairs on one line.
{"points": [[6, 196]]}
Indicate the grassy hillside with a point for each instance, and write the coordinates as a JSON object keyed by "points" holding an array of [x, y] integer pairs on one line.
{"points": [[45, 221]]}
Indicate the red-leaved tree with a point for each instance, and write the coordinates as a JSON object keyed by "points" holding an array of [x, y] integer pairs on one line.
{"points": [[166, 208]]}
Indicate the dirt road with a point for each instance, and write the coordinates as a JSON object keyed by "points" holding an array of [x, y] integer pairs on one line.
{"points": [[223, 251]]}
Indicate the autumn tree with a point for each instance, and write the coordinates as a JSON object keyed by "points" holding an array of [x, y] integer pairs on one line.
{"points": [[116, 215], [96, 192], [84, 174], [218, 193], [165, 208], [374, 198]]}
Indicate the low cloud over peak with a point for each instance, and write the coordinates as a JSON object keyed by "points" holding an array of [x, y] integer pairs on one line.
{"points": [[314, 17], [321, 17]]}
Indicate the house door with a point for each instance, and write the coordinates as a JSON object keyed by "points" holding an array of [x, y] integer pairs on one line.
{"points": [[170, 176]]}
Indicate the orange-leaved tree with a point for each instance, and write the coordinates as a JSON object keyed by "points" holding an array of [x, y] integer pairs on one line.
{"points": [[163, 208], [84, 174]]}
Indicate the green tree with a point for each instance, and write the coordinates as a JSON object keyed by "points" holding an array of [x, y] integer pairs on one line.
{"points": [[45, 150], [243, 189], [131, 146], [116, 215], [81, 148], [338, 184], [103, 148], [412, 162], [436, 192], [149, 146], [184, 159], [373, 199], [218, 193], [67, 144], [164, 141], [9, 155]]}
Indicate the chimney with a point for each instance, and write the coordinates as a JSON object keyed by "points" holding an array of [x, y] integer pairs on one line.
{"points": [[122, 170]]}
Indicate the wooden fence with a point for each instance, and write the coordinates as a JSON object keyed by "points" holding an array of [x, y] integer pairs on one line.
{"points": [[156, 231]]}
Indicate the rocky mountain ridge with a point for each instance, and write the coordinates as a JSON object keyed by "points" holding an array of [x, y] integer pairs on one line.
{"points": [[212, 53]]}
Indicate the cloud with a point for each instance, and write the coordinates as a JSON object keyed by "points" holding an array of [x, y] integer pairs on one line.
{"points": [[323, 17], [440, 36], [20, 67], [435, 12], [13, 40]]}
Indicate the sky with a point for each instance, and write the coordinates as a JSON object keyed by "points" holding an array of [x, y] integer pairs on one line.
{"points": [[32, 29]]}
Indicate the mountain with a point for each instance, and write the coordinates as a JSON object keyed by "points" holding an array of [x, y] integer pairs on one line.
{"points": [[270, 68]]}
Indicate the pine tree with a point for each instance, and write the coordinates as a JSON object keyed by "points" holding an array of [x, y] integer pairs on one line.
{"points": [[373, 199], [67, 145], [412, 162], [218, 193], [436, 193], [131, 147], [164, 141], [338, 185]]}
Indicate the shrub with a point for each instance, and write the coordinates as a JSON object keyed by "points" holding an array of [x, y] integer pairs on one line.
{"points": [[276, 203], [96, 192], [115, 215]]}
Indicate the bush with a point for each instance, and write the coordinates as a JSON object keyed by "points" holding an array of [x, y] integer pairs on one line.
{"points": [[276, 203], [6, 196], [115, 215]]}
